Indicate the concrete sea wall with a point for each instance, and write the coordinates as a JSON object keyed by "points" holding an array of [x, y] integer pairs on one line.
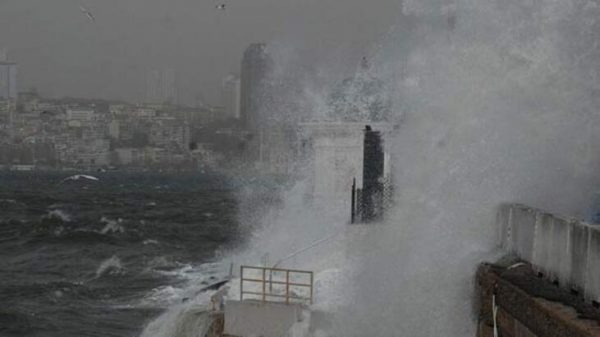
{"points": [[564, 250]]}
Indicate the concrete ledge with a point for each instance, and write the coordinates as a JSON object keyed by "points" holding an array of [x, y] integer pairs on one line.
{"points": [[563, 249]]}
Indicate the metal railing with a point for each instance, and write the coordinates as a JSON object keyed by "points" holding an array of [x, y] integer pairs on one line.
{"points": [[265, 282]]}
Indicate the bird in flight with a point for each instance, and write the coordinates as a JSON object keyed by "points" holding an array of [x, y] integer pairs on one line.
{"points": [[220, 6], [80, 176], [87, 13]]}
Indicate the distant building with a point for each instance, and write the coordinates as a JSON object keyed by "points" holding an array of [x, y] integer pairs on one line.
{"points": [[256, 65], [255, 98], [114, 128], [231, 96], [161, 86], [8, 81], [147, 113], [81, 115]]}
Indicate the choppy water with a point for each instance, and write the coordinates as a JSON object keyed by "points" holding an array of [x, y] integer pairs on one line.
{"points": [[105, 258]]}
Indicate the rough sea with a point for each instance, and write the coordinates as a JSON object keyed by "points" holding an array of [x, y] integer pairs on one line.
{"points": [[88, 258]]}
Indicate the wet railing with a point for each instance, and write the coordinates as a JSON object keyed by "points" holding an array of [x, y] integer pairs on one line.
{"points": [[276, 285]]}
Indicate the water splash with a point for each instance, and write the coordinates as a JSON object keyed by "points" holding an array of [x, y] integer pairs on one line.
{"points": [[498, 102], [185, 319], [110, 266], [497, 107]]}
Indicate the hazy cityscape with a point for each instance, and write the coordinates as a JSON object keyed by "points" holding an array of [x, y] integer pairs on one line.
{"points": [[286, 168], [38, 133]]}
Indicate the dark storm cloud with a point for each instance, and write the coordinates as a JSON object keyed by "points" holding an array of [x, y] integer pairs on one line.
{"points": [[62, 52]]}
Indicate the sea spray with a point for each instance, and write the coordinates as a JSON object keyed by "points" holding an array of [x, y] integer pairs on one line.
{"points": [[498, 101], [497, 107]]}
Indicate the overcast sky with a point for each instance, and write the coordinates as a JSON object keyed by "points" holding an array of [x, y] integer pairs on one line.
{"points": [[60, 52]]}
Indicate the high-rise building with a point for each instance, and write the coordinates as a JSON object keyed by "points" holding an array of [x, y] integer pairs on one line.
{"points": [[8, 81], [256, 65], [231, 96], [161, 86], [255, 99]]}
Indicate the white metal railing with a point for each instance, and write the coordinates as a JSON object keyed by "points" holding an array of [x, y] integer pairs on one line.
{"points": [[267, 288]]}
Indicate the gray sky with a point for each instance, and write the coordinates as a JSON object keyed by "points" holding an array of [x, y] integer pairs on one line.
{"points": [[61, 53]]}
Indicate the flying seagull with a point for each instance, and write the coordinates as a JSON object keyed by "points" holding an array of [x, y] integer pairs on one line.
{"points": [[87, 13], [78, 177], [221, 7]]}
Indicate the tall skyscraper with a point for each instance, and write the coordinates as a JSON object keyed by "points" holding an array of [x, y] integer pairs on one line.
{"points": [[256, 65], [8, 81], [161, 86], [231, 96]]}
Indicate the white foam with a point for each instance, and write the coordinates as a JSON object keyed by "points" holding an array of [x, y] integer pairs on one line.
{"points": [[59, 214], [112, 226], [110, 266], [195, 279], [163, 297]]}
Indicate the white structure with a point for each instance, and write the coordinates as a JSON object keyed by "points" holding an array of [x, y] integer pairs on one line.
{"points": [[337, 158], [231, 93], [8, 81]]}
